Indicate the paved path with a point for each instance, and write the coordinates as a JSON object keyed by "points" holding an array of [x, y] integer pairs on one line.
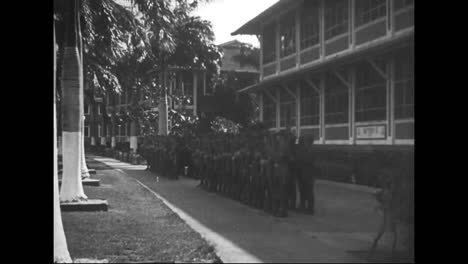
{"points": [[345, 221]]}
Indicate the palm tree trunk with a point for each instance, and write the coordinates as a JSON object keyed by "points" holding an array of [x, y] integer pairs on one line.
{"points": [[72, 111], [84, 168], [162, 106], [61, 254]]}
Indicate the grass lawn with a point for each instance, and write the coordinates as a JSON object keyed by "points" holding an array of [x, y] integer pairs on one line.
{"points": [[137, 228]]}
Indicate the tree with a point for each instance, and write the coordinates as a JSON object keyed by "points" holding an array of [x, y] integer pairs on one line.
{"points": [[61, 253], [72, 108]]}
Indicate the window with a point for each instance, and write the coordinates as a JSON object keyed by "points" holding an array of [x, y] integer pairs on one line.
{"points": [[404, 86], [269, 111], [370, 94], [336, 100], [127, 129], [87, 109], [336, 18], [287, 109], [269, 43], [370, 10], [108, 130], [309, 24], [402, 4], [310, 106], [100, 131], [288, 35], [86, 131], [100, 109]]}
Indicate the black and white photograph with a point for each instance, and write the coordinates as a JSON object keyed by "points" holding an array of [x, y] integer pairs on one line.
{"points": [[233, 131]]}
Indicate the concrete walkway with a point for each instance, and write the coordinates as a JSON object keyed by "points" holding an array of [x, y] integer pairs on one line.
{"points": [[345, 220]]}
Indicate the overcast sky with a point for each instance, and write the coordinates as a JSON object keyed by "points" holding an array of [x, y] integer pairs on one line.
{"points": [[228, 15]]}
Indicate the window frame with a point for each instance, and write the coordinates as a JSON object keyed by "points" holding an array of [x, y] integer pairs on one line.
{"points": [[336, 94], [403, 80], [313, 106], [287, 30], [376, 84], [307, 25], [363, 14], [406, 4], [337, 24], [290, 103], [87, 109], [269, 56]]}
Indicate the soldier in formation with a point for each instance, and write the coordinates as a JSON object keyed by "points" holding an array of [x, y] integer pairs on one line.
{"points": [[262, 170]]}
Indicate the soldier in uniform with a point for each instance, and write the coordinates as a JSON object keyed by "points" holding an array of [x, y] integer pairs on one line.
{"points": [[307, 175], [280, 198], [267, 172], [236, 184]]}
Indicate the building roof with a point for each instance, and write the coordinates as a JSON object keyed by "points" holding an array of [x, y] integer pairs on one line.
{"points": [[253, 26], [232, 43]]}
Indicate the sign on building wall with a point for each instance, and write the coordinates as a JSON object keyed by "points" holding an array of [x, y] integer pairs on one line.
{"points": [[371, 132]]}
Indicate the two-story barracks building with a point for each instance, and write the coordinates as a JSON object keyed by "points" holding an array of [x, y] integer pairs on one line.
{"points": [[340, 70]]}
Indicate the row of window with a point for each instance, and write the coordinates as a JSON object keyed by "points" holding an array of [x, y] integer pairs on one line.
{"points": [[121, 130], [370, 97], [87, 109], [336, 23]]}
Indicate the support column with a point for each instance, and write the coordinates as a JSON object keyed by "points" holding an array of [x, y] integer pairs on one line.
{"points": [[390, 20], [352, 105], [113, 143], [195, 92], [298, 37], [391, 101], [352, 19], [298, 109], [322, 108], [261, 53], [133, 136], [322, 28], [278, 113], [103, 133], [261, 105], [278, 45]]}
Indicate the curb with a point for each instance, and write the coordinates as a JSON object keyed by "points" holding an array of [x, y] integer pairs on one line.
{"points": [[349, 186]]}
